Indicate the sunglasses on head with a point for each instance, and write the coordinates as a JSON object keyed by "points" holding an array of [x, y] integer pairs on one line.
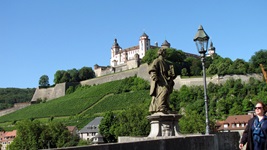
{"points": [[258, 107]]}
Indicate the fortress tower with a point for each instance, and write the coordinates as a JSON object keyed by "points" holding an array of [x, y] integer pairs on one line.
{"points": [[120, 56]]}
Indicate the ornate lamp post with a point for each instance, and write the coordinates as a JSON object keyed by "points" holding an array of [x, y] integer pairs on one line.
{"points": [[202, 40]]}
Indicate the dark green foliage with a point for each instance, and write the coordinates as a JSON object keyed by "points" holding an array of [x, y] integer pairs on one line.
{"points": [[260, 57], [192, 122], [133, 84], [58, 76], [131, 122], [151, 54], [184, 72], [193, 66], [105, 127], [86, 73], [232, 98], [74, 75], [44, 81], [9, 96], [70, 90], [34, 135], [176, 57]]}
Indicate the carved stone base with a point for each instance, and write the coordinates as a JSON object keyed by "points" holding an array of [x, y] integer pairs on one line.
{"points": [[164, 124]]}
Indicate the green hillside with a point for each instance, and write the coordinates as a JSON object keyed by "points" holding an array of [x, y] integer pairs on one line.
{"points": [[87, 102], [10, 96]]}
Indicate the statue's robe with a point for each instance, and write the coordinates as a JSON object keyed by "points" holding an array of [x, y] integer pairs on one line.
{"points": [[161, 85]]}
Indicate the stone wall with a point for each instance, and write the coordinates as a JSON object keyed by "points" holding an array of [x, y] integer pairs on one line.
{"points": [[221, 141], [51, 92], [111, 77], [16, 107], [142, 72]]}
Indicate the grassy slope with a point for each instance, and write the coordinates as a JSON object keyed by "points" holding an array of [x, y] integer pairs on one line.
{"points": [[81, 106]]}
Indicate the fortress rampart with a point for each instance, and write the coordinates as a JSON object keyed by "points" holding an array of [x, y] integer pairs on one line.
{"points": [[142, 72], [16, 107]]}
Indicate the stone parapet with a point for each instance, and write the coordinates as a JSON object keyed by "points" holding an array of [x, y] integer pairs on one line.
{"points": [[221, 141]]}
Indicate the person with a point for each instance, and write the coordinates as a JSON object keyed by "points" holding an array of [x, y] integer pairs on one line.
{"points": [[162, 76], [255, 132]]}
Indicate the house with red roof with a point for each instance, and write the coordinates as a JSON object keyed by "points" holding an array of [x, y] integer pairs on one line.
{"points": [[7, 138], [235, 123]]}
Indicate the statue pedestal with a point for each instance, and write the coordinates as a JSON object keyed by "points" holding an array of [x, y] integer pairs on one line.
{"points": [[164, 124]]}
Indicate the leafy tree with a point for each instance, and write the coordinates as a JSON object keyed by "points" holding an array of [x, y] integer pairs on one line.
{"points": [[175, 56], [150, 55], [125, 123], [212, 70], [224, 66], [44, 81], [184, 72], [28, 133], [32, 135], [74, 75], [239, 66], [195, 69], [58, 76], [9, 96], [86, 73], [192, 122], [260, 57], [105, 127], [193, 66], [66, 77]]}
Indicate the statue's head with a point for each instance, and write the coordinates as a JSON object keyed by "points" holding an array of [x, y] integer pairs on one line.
{"points": [[162, 52]]}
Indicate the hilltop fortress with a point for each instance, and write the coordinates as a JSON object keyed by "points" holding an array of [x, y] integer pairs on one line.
{"points": [[126, 63], [129, 58], [60, 89]]}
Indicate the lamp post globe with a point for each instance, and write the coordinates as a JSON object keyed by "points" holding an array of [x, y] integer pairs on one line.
{"points": [[202, 39]]}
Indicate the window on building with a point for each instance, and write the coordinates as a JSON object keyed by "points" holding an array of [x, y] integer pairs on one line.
{"points": [[233, 125]]}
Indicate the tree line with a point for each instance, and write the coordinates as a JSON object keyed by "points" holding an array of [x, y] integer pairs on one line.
{"points": [[71, 75], [215, 64], [32, 134], [10, 96]]}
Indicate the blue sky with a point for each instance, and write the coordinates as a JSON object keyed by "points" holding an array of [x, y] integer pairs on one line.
{"points": [[39, 37]]}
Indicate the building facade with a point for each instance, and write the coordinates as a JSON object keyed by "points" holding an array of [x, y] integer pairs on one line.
{"points": [[120, 56], [127, 58], [6, 138], [90, 132]]}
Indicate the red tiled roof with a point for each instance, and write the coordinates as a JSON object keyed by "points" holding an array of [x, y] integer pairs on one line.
{"points": [[10, 133], [132, 48], [71, 128], [238, 119], [219, 123], [8, 136]]}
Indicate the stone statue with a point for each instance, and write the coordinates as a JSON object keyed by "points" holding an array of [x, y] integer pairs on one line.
{"points": [[162, 76]]}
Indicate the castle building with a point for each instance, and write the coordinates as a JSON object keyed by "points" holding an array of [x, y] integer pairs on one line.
{"points": [[120, 56], [129, 58]]}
